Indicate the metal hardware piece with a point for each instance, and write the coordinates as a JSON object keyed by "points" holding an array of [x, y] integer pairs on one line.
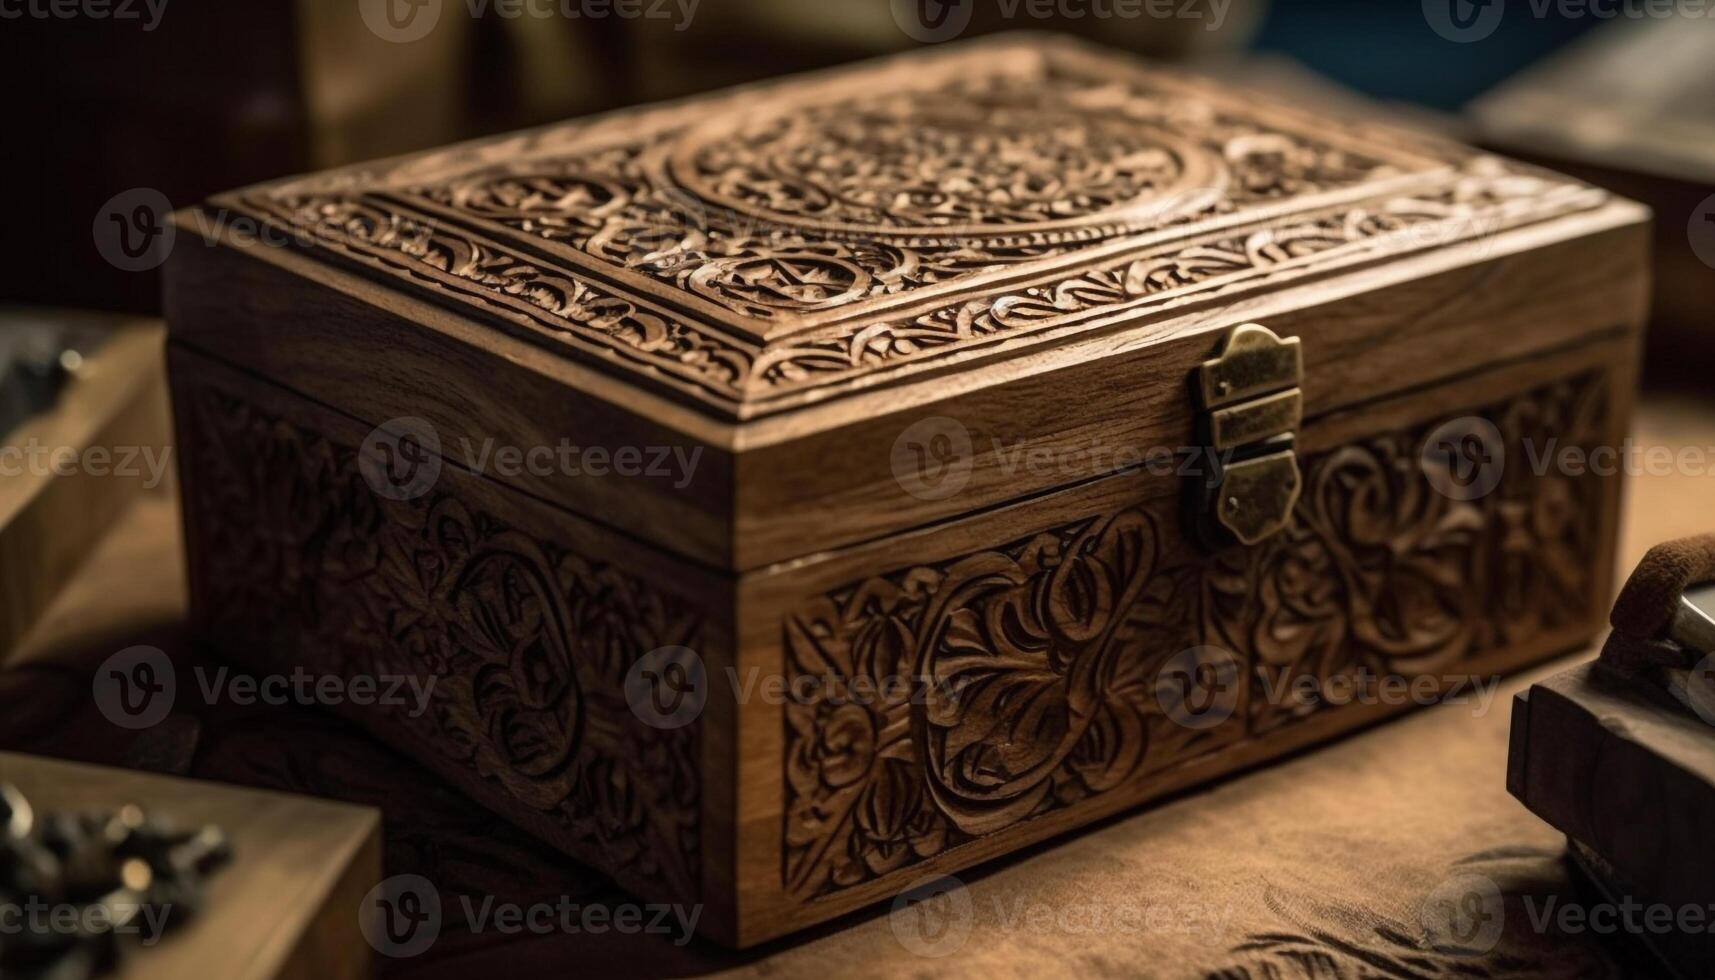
{"points": [[1693, 625], [1251, 407], [1693, 629]]}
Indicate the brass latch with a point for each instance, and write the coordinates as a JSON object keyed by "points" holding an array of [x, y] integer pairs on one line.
{"points": [[1250, 410]]}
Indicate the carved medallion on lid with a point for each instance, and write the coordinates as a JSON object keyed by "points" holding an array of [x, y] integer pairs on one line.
{"points": [[996, 162]]}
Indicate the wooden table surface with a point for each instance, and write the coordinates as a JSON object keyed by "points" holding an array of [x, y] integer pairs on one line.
{"points": [[1315, 868]]}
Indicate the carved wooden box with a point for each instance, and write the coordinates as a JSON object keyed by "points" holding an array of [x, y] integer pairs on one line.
{"points": [[917, 400]]}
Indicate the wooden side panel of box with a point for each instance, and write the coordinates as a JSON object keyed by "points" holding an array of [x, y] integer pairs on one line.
{"points": [[528, 621], [957, 693]]}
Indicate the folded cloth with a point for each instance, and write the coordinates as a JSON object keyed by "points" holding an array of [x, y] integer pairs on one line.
{"points": [[1649, 602]]}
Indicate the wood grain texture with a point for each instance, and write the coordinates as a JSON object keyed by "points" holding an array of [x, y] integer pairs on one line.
{"points": [[528, 620], [787, 244], [286, 908], [813, 806], [819, 303], [1041, 669]]}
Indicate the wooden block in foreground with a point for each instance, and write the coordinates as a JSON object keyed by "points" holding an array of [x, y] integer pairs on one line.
{"points": [[285, 908], [1630, 779]]}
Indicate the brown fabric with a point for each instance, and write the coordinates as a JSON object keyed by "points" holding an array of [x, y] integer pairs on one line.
{"points": [[1646, 605]]}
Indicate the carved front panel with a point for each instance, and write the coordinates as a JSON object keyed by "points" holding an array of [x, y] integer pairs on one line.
{"points": [[296, 561], [752, 252], [1045, 671]]}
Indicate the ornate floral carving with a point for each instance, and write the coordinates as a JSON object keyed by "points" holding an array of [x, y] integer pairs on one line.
{"points": [[797, 227], [1032, 688], [987, 156], [1035, 666], [528, 641]]}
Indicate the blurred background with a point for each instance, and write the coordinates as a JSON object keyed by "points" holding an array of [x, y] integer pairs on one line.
{"points": [[190, 97]]}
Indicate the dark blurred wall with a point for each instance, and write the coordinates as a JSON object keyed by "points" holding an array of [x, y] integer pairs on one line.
{"points": [[222, 93]]}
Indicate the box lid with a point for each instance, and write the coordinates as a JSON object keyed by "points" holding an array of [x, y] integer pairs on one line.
{"points": [[771, 269]]}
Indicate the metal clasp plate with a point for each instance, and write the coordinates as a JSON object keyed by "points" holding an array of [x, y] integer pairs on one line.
{"points": [[1250, 408]]}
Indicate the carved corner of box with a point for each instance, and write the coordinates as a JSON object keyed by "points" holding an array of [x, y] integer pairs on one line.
{"points": [[297, 562]]}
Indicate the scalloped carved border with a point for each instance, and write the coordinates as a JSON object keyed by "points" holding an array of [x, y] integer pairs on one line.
{"points": [[557, 306]]}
